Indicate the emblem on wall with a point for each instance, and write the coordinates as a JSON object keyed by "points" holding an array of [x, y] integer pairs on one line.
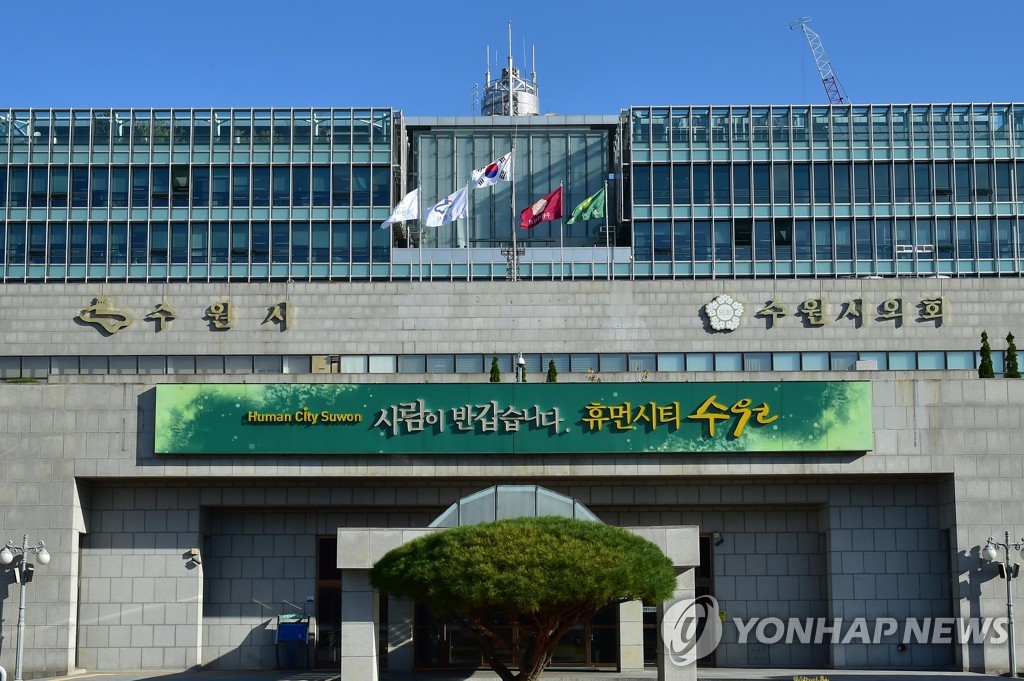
{"points": [[724, 313]]}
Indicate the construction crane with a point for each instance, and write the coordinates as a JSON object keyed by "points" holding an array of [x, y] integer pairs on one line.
{"points": [[833, 88]]}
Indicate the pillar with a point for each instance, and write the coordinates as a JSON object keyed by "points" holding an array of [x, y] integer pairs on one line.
{"points": [[631, 636], [358, 626], [668, 670]]}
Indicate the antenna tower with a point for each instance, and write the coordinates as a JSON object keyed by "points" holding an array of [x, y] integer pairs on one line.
{"points": [[833, 88]]}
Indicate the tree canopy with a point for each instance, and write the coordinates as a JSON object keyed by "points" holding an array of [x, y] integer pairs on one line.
{"points": [[542, 575]]}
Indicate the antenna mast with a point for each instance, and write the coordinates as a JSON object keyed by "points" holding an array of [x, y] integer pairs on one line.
{"points": [[833, 88]]}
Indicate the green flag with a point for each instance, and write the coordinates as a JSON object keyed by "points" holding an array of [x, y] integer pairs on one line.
{"points": [[592, 207]]}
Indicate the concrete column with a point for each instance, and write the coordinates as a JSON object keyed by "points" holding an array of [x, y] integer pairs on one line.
{"points": [[631, 636], [667, 669], [400, 613], [358, 626]]}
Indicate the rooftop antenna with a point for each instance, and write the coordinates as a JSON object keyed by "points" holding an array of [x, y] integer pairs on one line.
{"points": [[510, 94]]}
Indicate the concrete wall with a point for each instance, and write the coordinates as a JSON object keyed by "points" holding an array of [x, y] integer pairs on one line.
{"points": [[79, 472]]}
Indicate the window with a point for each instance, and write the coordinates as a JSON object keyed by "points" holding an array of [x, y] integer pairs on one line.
{"points": [[801, 183], [822, 184], [181, 364], [261, 186], [721, 175], [660, 184], [701, 184], [240, 186], [300, 186], [762, 183], [100, 186], [781, 176], [282, 190], [922, 182], [209, 364], [841, 173], [161, 186], [883, 183], [680, 184], [741, 183], [862, 182]]}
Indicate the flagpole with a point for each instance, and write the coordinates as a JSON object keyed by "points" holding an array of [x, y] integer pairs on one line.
{"points": [[511, 112], [561, 233], [607, 230]]}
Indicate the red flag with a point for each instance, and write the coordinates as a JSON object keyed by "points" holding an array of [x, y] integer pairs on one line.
{"points": [[548, 208]]}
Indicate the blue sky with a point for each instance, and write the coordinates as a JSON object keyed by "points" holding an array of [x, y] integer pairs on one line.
{"points": [[424, 57]]}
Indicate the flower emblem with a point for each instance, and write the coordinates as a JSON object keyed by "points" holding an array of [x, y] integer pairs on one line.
{"points": [[724, 313]]}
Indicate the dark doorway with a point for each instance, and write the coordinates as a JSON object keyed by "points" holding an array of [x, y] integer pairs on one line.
{"points": [[440, 643], [704, 585]]}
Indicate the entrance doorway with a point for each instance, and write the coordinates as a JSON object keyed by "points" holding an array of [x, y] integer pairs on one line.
{"points": [[444, 643]]}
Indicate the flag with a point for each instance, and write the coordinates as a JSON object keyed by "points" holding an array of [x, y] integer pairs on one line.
{"points": [[407, 209], [453, 207], [548, 208], [491, 173], [592, 207]]}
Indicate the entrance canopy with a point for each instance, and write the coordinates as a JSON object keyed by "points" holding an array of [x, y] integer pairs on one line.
{"points": [[511, 501]]}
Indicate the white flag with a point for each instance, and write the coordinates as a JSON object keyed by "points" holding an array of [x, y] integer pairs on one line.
{"points": [[453, 207], [407, 209], [491, 173]]}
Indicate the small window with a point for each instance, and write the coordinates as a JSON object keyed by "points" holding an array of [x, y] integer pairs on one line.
{"points": [[815, 361], [700, 361], [581, 362], [36, 367], [902, 361], [352, 364], [757, 361], [614, 362], [152, 364], [181, 364], [121, 364], [440, 364], [881, 359], [10, 367], [843, 361], [642, 362], [382, 364], [64, 365], [561, 363], [931, 360], [786, 361], [297, 364], [209, 364], [93, 365], [469, 364], [266, 364], [412, 364], [238, 364], [728, 361], [960, 359], [671, 361]]}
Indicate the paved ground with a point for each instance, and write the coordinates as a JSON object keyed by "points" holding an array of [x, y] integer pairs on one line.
{"points": [[648, 675]]}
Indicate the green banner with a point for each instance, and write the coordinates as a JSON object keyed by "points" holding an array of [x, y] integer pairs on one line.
{"points": [[507, 418]]}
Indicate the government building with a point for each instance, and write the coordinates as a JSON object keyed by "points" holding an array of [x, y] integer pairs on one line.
{"points": [[227, 390]]}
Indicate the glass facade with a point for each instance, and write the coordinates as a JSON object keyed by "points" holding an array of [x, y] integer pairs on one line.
{"points": [[740, 191], [783, 191], [197, 194]]}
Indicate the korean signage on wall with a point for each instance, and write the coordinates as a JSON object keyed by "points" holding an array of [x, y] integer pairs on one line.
{"points": [[509, 418]]}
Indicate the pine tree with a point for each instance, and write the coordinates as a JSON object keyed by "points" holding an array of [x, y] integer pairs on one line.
{"points": [[552, 372], [1012, 369], [495, 371], [985, 368]]}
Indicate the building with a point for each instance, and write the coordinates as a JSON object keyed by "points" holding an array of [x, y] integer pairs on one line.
{"points": [[833, 266]]}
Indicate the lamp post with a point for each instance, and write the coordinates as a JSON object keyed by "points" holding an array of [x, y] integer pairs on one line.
{"points": [[23, 571], [1008, 572]]}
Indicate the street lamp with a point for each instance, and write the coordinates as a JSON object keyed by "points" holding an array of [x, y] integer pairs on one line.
{"points": [[1008, 572], [520, 369], [23, 571]]}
